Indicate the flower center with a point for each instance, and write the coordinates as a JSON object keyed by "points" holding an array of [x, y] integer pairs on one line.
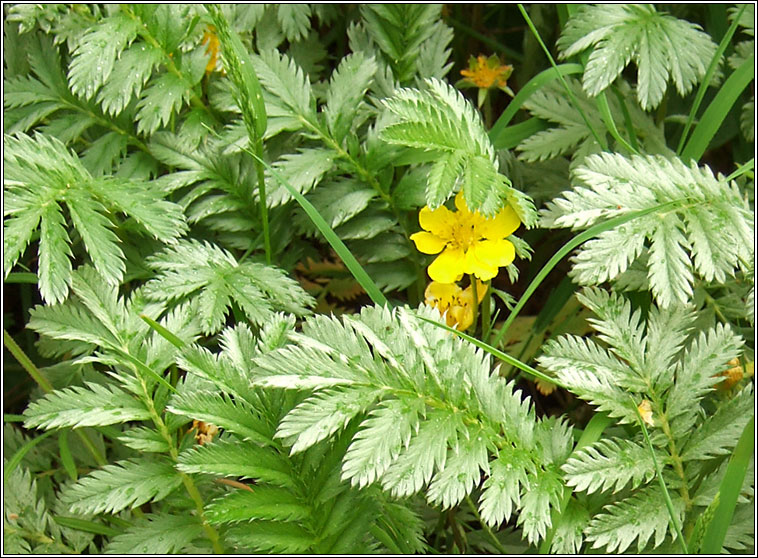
{"points": [[465, 234]]}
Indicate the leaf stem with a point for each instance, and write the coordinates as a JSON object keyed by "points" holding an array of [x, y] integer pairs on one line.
{"points": [[500, 548], [667, 498], [472, 279], [486, 309]]}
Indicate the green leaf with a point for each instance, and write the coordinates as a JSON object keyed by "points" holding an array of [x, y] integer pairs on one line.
{"points": [[660, 45], [273, 537], [97, 52], [347, 88], [378, 443], [719, 433], [440, 119], [54, 255], [636, 518], [502, 490], [399, 30], [545, 491], [91, 405], [706, 356], [125, 484], [259, 290], [707, 228], [130, 74], [163, 97], [287, 83], [156, 534], [43, 173], [261, 502], [462, 473], [294, 19], [232, 458], [144, 439], [87, 216], [321, 415], [235, 415], [304, 170], [609, 463]]}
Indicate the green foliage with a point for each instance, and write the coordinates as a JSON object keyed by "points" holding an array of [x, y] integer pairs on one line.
{"points": [[660, 45], [156, 534], [257, 289], [424, 423], [126, 484], [92, 405], [192, 399], [438, 119], [40, 174], [653, 360], [706, 228], [572, 136]]}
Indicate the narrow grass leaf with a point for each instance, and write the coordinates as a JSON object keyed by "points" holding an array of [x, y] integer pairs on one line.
{"points": [[531, 86], [716, 112], [336, 243], [729, 491]]}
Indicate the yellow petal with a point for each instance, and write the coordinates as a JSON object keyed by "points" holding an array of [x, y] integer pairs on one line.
{"points": [[427, 242], [468, 293], [646, 412], [483, 269], [448, 267], [438, 222], [498, 253], [463, 316], [440, 294], [502, 225]]}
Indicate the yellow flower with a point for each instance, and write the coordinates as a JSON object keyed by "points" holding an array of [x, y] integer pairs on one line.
{"points": [[457, 302], [646, 412], [209, 36], [733, 374], [469, 242], [485, 73]]}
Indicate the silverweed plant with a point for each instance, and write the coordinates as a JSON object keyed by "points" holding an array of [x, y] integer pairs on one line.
{"points": [[270, 276]]}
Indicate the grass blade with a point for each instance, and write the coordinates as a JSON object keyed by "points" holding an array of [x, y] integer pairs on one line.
{"points": [[533, 85], [599, 139], [163, 332], [22, 451], [331, 237], [564, 251], [67, 459], [708, 78], [730, 490], [716, 112], [85, 525], [510, 137]]}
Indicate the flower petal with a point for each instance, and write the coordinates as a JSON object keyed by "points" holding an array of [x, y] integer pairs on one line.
{"points": [[428, 243], [437, 222], [483, 269], [448, 267], [441, 295], [497, 253], [502, 225]]}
